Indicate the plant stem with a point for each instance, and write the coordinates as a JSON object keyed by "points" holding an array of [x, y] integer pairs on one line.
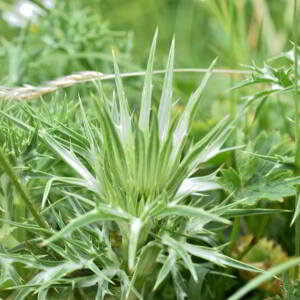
{"points": [[233, 104], [252, 243], [297, 138], [262, 226], [255, 238], [4, 163]]}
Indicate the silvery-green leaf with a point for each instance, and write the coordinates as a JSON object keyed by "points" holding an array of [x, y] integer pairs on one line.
{"points": [[189, 112], [182, 253], [101, 213], [69, 180], [166, 268], [165, 107], [178, 282], [218, 258], [125, 120], [189, 211], [73, 161], [135, 228], [147, 90], [194, 185]]}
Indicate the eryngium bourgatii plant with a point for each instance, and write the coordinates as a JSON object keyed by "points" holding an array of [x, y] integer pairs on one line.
{"points": [[136, 217]]}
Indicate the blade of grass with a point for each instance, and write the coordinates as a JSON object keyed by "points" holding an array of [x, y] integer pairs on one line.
{"points": [[264, 277]]}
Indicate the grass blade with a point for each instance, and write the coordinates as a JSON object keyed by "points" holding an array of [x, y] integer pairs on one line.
{"points": [[264, 277]]}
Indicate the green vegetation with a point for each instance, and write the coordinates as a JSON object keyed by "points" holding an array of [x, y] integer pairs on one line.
{"points": [[112, 188]]}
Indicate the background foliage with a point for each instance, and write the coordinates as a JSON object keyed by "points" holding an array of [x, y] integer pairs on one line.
{"points": [[56, 152]]}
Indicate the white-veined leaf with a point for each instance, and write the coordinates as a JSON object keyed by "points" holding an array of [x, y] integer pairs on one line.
{"points": [[194, 185], [183, 125], [102, 212], [135, 229], [182, 253], [214, 256], [147, 90], [165, 107], [188, 211], [166, 268], [68, 180], [125, 120], [178, 283], [73, 161]]}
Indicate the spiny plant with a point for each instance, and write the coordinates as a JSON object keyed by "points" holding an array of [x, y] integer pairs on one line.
{"points": [[134, 220]]}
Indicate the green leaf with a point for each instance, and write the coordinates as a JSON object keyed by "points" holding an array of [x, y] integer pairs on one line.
{"points": [[182, 253], [261, 172], [73, 161], [218, 258], [153, 154], [194, 185], [69, 180], [165, 107], [188, 115], [178, 283], [196, 96], [195, 288], [271, 190], [147, 90], [235, 212], [201, 152], [87, 128], [231, 180], [8, 271], [166, 268], [125, 120], [135, 229], [189, 211], [140, 158], [101, 213]]}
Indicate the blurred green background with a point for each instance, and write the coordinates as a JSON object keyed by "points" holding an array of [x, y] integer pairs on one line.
{"points": [[236, 31]]}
